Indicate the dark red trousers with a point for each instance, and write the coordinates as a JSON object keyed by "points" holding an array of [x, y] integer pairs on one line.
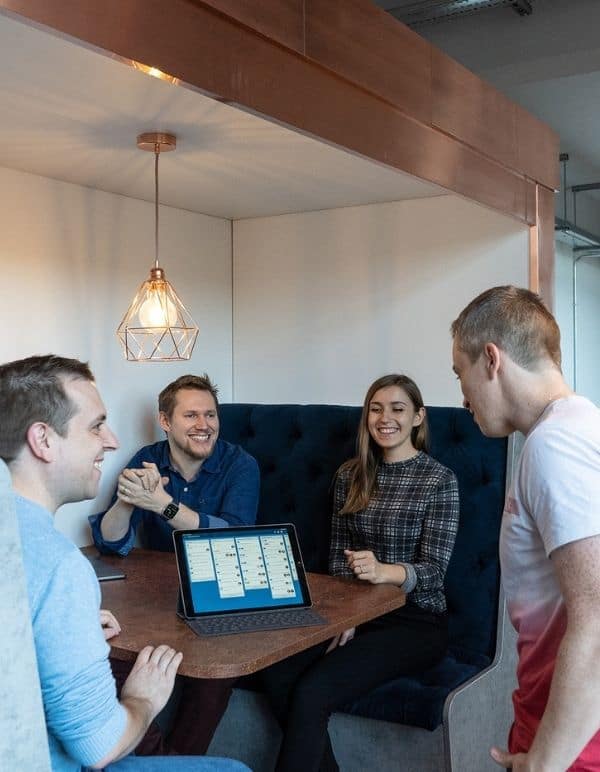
{"points": [[202, 704]]}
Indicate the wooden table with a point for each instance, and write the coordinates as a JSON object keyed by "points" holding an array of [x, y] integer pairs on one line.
{"points": [[145, 603]]}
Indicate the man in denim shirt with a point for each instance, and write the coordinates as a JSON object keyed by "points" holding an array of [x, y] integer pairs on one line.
{"points": [[190, 480]]}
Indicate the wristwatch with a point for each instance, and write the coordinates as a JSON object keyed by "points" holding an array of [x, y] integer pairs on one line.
{"points": [[170, 511]]}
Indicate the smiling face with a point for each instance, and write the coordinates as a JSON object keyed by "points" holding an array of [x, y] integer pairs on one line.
{"points": [[193, 427], [80, 452], [390, 421]]}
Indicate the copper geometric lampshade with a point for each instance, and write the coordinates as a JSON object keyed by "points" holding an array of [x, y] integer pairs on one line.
{"points": [[157, 327]]}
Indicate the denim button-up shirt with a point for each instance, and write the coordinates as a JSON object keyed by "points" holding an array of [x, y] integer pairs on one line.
{"points": [[225, 492]]}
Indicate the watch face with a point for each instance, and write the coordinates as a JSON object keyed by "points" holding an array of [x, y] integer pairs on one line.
{"points": [[170, 511]]}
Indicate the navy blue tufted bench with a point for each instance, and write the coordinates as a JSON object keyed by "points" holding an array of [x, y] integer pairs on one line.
{"points": [[299, 448]]}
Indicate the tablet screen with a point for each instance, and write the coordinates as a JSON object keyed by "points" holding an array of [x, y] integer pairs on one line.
{"points": [[225, 570]]}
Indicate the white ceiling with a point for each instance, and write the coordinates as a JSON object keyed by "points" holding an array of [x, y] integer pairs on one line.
{"points": [[73, 114]]}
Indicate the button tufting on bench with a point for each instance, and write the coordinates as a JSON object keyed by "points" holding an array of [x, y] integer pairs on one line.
{"points": [[299, 448]]}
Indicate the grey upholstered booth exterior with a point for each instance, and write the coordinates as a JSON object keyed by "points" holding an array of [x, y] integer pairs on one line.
{"points": [[446, 718], [23, 739]]}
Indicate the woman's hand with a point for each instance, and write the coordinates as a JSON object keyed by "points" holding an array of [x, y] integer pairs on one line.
{"points": [[109, 624], [342, 639], [365, 565]]}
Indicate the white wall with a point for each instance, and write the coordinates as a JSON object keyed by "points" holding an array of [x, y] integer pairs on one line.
{"points": [[588, 319], [71, 260], [324, 302]]}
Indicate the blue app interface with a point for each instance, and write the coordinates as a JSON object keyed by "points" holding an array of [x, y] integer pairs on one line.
{"points": [[237, 571]]}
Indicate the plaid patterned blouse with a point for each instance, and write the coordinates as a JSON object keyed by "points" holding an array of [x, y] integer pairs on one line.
{"points": [[412, 519]]}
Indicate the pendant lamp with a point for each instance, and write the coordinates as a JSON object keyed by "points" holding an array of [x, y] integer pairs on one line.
{"points": [[157, 327]]}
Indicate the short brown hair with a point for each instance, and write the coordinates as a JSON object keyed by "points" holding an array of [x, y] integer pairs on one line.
{"points": [[168, 396], [513, 318], [32, 390]]}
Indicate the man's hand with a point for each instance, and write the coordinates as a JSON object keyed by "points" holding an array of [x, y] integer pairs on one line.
{"points": [[144, 694], [152, 677], [149, 475], [109, 624], [518, 762], [515, 761], [143, 488]]}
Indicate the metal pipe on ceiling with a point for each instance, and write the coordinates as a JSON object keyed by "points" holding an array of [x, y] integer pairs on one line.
{"points": [[414, 12]]}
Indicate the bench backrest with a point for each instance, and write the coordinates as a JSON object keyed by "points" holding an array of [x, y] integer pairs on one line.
{"points": [[300, 447]]}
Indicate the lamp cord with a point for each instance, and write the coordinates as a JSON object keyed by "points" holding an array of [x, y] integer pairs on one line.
{"points": [[156, 154]]}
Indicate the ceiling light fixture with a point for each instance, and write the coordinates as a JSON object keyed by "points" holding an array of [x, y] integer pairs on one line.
{"points": [[157, 326], [154, 72]]}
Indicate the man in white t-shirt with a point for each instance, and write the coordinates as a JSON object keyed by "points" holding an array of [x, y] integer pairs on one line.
{"points": [[506, 354]]}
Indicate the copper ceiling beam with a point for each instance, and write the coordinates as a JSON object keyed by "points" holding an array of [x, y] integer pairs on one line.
{"points": [[342, 71]]}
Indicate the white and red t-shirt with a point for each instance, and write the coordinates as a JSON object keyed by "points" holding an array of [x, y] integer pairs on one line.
{"points": [[554, 499]]}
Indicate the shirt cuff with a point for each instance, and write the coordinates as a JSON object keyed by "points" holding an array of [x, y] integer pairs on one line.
{"points": [[120, 547], [409, 584], [212, 521], [90, 750]]}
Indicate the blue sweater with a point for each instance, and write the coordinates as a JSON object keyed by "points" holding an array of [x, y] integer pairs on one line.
{"points": [[83, 717]]}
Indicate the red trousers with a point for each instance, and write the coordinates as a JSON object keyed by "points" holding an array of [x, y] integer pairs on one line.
{"points": [[202, 704]]}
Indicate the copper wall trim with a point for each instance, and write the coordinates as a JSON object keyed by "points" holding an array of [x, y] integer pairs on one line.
{"points": [[546, 245]]}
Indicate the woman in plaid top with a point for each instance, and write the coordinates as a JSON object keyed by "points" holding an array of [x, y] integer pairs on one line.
{"points": [[395, 521]]}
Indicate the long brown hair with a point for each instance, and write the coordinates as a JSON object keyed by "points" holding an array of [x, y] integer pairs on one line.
{"points": [[363, 467]]}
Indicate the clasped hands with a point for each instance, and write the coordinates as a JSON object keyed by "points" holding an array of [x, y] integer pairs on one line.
{"points": [[143, 488]]}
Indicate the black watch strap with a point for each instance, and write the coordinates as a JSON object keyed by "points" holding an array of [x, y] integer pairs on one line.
{"points": [[170, 511]]}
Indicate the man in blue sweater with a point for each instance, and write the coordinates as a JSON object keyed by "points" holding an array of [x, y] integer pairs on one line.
{"points": [[53, 437]]}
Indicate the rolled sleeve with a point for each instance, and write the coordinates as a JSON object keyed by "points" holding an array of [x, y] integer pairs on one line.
{"points": [[121, 547], [409, 584]]}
